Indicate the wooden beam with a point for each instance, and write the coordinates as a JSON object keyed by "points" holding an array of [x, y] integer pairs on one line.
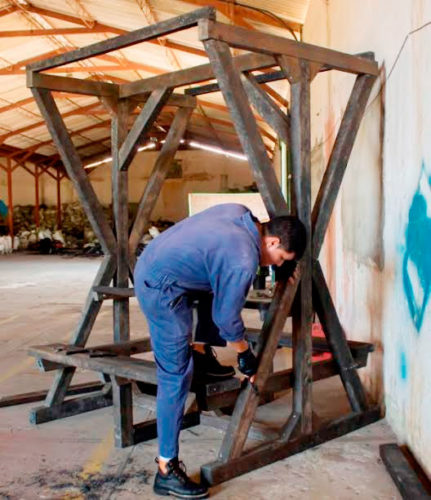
{"points": [[141, 35], [122, 366], [336, 338], [403, 474], [271, 44], [197, 74], [248, 399], [92, 306], [158, 175], [303, 311], [219, 471], [77, 20], [266, 107], [10, 198], [74, 168], [32, 397], [75, 85], [228, 77], [142, 124]]}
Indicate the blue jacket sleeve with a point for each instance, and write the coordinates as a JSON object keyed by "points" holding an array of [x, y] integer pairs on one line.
{"points": [[230, 291]]}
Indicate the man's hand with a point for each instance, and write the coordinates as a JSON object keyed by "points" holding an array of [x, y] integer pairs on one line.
{"points": [[247, 362]]}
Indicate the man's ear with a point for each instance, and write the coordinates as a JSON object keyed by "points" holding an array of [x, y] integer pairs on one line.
{"points": [[272, 241]]}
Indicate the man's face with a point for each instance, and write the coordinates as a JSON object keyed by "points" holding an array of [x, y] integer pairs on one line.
{"points": [[272, 253]]}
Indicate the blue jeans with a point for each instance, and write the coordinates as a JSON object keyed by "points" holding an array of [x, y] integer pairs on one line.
{"points": [[170, 321]]}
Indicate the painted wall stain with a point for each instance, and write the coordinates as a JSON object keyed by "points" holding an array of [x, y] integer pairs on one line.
{"points": [[417, 256], [403, 365]]}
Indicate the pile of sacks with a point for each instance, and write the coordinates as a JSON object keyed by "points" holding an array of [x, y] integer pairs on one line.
{"points": [[7, 244]]}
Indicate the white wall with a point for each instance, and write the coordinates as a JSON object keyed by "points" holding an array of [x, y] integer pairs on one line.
{"points": [[202, 172], [379, 277]]}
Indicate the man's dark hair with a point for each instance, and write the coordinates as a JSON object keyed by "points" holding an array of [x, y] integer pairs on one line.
{"points": [[290, 230]]}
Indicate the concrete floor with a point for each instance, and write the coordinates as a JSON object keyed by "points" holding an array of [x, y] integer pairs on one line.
{"points": [[41, 298]]}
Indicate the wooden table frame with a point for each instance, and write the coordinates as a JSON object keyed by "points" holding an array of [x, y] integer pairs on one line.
{"points": [[235, 78]]}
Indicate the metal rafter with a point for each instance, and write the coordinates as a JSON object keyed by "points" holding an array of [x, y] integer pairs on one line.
{"points": [[243, 13]]}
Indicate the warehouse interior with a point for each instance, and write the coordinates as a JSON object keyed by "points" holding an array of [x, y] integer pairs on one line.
{"points": [[374, 255]]}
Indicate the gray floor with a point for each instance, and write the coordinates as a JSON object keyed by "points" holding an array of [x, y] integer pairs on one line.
{"points": [[41, 298]]}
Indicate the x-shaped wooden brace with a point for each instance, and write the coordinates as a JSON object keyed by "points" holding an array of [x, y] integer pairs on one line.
{"points": [[238, 90], [119, 249]]}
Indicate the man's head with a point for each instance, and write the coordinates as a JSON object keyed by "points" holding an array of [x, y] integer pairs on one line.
{"points": [[282, 238]]}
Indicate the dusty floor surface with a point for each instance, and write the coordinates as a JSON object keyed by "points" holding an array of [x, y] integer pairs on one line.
{"points": [[41, 298]]}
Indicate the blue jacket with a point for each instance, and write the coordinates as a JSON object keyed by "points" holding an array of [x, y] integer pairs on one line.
{"points": [[215, 250]]}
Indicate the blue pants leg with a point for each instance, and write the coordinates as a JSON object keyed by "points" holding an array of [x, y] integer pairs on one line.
{"points": [[170, 321], [206, 330]]}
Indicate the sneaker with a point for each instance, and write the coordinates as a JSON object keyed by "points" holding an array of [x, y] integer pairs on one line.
{"points": [[176, 482], [207, 366]]}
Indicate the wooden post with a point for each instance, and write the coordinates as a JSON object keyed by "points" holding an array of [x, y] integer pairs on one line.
{"points": [[9, 197], [122, 391], [59, 214], [158, 175], [36, 196], [299, 76], [236, 98]]}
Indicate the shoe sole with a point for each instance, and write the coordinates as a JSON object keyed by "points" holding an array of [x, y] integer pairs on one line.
{"points": [[217, 375], [165, 492]]}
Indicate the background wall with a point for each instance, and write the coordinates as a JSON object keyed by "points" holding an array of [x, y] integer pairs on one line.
{"points": [[376, 254], [201, 172]]}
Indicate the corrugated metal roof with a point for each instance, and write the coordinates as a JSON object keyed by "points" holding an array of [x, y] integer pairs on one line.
{"points": [[21, 125]]}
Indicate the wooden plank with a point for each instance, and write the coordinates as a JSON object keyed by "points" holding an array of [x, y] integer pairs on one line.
{"points": [[218, 471], [123, 413], [319, 344], [182, 101], [72, 407], [142, 125], [252, 144], [122, 392], [121, 220], [339, 158], [32, 397], [266, 107], [337, 340], [248, 399], [113, 292], [141, 35], [197, 74], [127, 348], [76, 172], [120, 366], [158, 175], [73, 85], [272, 44], [404, 477], [301, 176], [272, 76]]}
